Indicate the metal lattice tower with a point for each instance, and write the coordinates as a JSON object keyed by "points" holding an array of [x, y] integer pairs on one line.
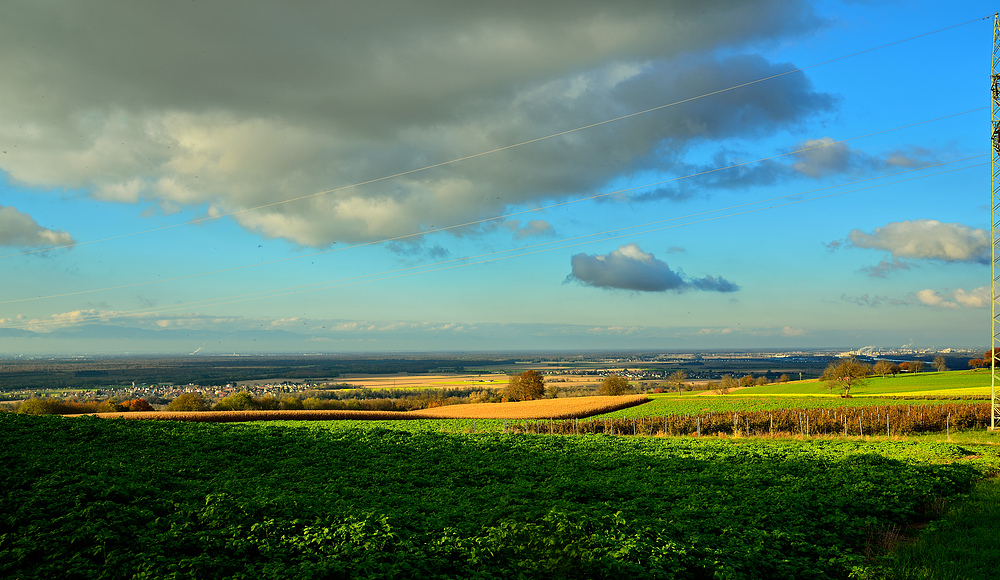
{"points": [[994, 226]]}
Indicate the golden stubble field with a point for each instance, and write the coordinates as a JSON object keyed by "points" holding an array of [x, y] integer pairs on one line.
{"points": [[565, 408]]}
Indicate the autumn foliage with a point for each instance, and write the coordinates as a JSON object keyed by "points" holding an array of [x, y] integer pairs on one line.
{"points": [[136, 405], [614, 385], [526, 386], [38, 406]]}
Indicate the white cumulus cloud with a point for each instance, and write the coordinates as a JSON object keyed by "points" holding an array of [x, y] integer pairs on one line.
{"points": [[978, 298], [959, 298], [926, 239]]}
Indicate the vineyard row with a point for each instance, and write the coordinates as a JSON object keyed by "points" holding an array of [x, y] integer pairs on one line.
{"points": [[846, 421]]}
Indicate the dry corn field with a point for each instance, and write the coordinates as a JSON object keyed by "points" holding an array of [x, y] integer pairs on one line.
{"points": [[567, 408]]}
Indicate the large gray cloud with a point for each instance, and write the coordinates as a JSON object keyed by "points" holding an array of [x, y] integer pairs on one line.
{"points": [[630, 268], [21, 230], [242, 104]]}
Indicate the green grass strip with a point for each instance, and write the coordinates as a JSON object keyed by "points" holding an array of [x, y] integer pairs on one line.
{"points": [[962, 546], [662, 405], [946, 383]]}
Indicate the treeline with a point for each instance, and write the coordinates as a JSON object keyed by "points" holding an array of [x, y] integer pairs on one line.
{"points": [[396, 399], [729, 382], [64, 407], [336, 400]]}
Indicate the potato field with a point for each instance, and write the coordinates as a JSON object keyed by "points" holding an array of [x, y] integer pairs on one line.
{"points": [[96, 498]]}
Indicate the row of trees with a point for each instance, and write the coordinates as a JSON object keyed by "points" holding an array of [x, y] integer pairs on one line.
{"points": [[992, 355], [530, 385], [884, 368], [848, 373], [37, 406], [729, 382]]}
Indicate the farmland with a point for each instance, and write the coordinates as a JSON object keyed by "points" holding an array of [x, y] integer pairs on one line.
{"points": [[117, 499], [661, 405], [922, 384], [790, 484]]}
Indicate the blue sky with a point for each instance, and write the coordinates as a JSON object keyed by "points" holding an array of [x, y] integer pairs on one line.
{"points": [[493, 176]]}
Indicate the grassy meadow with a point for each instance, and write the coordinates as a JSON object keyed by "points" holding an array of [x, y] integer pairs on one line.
{"points": [[951, 383]]}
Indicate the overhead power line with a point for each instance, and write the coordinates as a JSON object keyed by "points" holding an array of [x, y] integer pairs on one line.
{"points": [[743, 209], [499, 149], [617, 192]]}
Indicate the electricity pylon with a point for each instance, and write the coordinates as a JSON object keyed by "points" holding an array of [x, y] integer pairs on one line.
{"points": [[994, 201]]}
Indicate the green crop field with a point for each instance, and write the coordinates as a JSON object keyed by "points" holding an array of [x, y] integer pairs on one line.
{"points": [[661, 405], [946, 383], [90, 498]]}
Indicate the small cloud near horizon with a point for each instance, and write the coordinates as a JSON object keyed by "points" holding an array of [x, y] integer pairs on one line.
{"points": [[630, 268], [958, 298]]}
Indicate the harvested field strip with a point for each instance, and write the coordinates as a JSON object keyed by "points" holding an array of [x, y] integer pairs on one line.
{"points": [[568, 408]]}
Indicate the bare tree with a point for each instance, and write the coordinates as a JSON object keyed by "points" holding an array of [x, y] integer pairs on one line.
{"points": [[846, 373], [940, 363], [677, 379], [882, 368], [728, 383]]}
